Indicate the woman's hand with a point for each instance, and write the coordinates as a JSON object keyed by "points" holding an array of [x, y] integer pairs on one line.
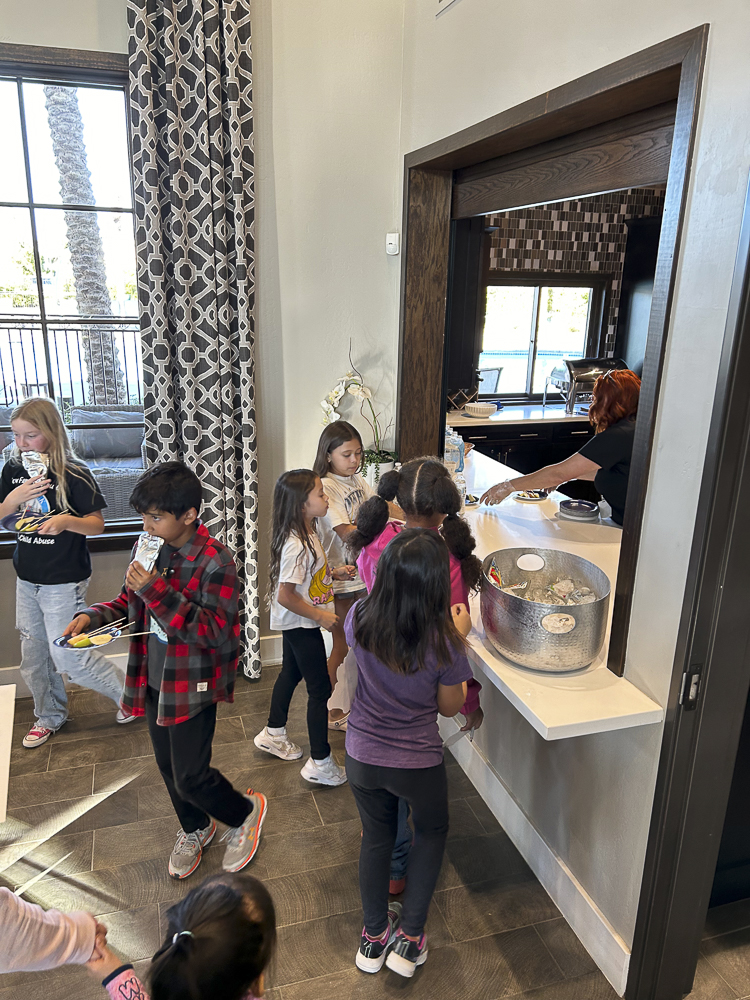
{"points": [[33, 488], [497, 493], [79, 624], [461, 619], [55, 525], [344, 572]]}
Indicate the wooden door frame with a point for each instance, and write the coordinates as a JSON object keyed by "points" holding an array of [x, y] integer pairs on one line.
{"points": [[670, 70]]}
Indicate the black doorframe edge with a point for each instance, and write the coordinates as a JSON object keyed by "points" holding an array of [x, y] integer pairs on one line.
{"points": [[699, 747]]}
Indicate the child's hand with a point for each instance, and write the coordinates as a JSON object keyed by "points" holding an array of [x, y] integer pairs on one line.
{"points": [[30, 490], [461, 619], [344, 572], [473, 720], [79, 624], [137, 578], [56, 525], [103, 962], [327, 619]]}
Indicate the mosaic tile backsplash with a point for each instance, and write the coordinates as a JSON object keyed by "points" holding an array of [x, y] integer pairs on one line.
{"points": [[584, 236]]}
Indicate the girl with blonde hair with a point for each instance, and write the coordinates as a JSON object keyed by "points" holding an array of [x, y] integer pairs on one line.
{"points": [[52, 562]]}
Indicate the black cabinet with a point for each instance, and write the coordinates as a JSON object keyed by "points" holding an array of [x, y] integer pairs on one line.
{"points": [[527, 447]]}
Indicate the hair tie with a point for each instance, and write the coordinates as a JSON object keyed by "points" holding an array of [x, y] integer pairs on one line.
{"points": [[179, 934]]}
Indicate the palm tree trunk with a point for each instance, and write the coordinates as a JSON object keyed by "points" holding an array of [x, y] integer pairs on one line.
{"points": [[106, 384]]}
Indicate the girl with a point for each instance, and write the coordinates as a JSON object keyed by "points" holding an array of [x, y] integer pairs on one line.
{"points": [[338, 462], [301, 597], [219, 941], [53, 565], [429, 499], [412, 666]]}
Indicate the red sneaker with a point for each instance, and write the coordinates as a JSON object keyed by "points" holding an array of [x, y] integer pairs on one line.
{"points": [[36, 736]]}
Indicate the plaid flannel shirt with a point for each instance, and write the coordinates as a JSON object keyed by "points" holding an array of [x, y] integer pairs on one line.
{"points": [[197, 606]]}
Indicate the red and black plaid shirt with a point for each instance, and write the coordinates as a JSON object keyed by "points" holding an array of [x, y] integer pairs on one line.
{"points": [[197, 608]]}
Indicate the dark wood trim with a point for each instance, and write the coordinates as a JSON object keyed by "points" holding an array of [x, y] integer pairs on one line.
{"points": [[427, 221], [76, 65], [699, 747]]}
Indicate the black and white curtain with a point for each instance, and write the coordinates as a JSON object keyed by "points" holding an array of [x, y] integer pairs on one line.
{"points": [[192, 134]]}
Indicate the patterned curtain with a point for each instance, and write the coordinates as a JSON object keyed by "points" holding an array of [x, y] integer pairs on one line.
{"points": [[192, 133]]}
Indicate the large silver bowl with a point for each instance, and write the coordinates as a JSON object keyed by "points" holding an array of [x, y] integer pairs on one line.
{"points": [[544, 637]]}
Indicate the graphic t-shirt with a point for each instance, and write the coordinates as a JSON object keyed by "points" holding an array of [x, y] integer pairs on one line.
{"points": [[346, 494], [612, 450], [63, 558], [157, 641], [393, 721], [312, 581]]}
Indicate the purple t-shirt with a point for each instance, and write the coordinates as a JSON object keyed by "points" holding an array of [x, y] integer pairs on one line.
{"points": [[393, 721]]}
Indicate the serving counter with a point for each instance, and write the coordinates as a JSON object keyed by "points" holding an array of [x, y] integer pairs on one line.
{"points": [[558, 706]]}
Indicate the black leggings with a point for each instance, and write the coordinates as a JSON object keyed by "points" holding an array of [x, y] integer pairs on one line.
{"points": [[377, 791], [304, 657]]}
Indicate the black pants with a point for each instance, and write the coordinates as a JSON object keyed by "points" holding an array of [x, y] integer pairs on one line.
{"points": [[304, 658], [183, 756], [377, 791]]}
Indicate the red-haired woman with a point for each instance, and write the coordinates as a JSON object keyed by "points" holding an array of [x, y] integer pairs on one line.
{"points": [[604, 458]]}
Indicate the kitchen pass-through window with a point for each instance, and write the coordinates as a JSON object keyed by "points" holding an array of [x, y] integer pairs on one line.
{"points": [[528, 329]]}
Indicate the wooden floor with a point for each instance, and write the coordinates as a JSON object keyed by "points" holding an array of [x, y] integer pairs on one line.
{"points": [[90, 827]]}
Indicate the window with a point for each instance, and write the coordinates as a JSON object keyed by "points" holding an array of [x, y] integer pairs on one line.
{"points": [[529, 328], [68, 301]]}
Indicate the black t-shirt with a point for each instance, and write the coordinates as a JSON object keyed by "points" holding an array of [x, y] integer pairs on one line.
{"points": [[612, 450], [63, 558], [157, 644]]}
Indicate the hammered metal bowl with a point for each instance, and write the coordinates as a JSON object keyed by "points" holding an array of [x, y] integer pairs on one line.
{"points": [[546, 637]]}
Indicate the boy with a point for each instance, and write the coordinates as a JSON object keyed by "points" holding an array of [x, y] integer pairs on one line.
{"points": [[186, 663]]}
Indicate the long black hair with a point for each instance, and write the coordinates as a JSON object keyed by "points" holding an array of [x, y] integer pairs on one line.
{"points": [[289, 495], [333, 436], [422, 487], [221, 937], [407, 613]]}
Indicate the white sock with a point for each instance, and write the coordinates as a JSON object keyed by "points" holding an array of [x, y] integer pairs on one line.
{"points": [[276, 732], [323, 761]]}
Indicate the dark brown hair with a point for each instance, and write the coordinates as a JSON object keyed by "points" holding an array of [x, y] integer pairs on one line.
{"points": [[422, 487], [615, 398], [220, 938], [333, 436], [289, 495], [407, 614]]}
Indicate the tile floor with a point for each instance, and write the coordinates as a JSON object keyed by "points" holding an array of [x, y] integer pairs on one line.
{"points": [[90, 826]]}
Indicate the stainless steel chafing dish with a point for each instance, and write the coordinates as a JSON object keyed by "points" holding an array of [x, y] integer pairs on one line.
{"points": [[575, 378]]}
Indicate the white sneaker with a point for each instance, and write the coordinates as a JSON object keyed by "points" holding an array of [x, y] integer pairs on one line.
{"points": [[123, 717], [279, 746], [324, 772]]}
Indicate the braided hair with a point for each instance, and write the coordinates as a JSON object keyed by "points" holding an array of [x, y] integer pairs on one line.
{"points": [[422, 487]]}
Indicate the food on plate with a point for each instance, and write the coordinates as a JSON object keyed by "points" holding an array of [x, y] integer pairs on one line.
{"points": [[102, 639], [80, 641]]}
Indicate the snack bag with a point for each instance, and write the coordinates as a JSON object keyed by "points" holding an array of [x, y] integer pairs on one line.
{"points": [[147, 550], [494, 574], [36, 464]]}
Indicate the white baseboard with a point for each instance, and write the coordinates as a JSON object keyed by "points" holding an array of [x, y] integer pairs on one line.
{"points": [[599, 938], [270, 650]]}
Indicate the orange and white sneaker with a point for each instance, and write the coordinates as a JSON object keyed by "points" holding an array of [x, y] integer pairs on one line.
{"points": [[242, 841], [188, 850]]}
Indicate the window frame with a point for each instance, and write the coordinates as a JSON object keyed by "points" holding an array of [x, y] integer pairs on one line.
{"points": [[82, 68], [598, 307]]}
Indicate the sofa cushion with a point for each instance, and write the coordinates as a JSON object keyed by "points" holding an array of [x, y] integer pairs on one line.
{"points": [[119, 442]]}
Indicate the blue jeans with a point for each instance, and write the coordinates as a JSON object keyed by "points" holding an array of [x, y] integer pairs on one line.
{"points": [[42, 612], [402, 847]]}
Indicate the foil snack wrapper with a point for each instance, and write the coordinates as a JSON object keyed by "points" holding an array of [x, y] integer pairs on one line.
{"points": [[147, 550], [36, 463]]}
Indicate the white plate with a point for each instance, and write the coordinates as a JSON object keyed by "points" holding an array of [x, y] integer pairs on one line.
{"points": [[517, 496]]}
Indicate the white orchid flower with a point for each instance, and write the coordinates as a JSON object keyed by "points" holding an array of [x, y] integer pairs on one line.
{"points": [[329, 414], [359, 391]]}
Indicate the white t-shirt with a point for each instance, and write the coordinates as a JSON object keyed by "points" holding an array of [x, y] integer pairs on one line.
{"points": [[312, 579], [346, 494]]}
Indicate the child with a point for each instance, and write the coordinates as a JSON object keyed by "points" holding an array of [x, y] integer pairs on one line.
{"points": [[53, 564], [412, 665], [301, 596], [338, 462], [32, 939], [219, 941], [184, 663], [430, 500]]}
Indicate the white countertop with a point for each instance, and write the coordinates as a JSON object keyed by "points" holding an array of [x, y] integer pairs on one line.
{"points": [[592, 700], [534, 413], [7, 710]]}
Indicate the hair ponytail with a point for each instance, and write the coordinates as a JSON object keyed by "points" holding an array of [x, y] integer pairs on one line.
{"points": [[461, 544], [389, 484], [371, 520]]}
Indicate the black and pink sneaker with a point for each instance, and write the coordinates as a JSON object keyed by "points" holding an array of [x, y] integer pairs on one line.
{"points": [[371, 954], [406, 955]]}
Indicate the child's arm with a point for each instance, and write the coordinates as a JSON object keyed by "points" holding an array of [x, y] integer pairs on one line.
{"points": [[118, 977], [24, 493], [289, 598], [205, 621], [89, 524], [450, 698], [35, 939]]}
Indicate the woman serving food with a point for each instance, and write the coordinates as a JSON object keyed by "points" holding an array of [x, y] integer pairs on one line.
{"points": [[605, 458]]}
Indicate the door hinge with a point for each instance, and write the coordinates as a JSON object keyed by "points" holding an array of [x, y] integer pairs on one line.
{"points": [[690, 688]]}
